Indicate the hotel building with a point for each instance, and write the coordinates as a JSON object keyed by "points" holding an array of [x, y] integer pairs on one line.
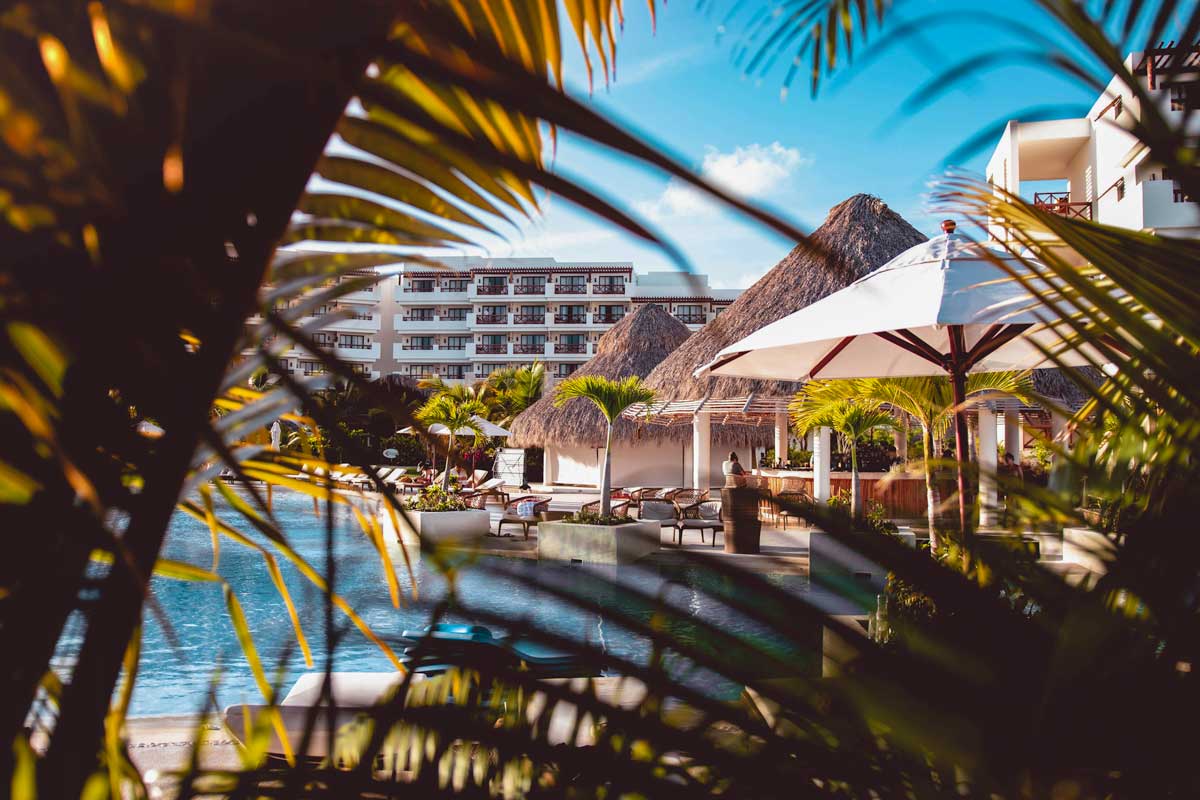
{"points": [[1093, 168], [477, 315]]}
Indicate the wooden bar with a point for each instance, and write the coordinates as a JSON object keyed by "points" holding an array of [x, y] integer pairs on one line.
{"points": [[902, 497]]}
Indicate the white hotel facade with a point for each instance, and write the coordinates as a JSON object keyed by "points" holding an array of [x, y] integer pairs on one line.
{"points": [[1093, 168], [480, 314]]}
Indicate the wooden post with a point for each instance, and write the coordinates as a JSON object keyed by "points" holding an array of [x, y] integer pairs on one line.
{"points": [[701, 450], [985, 441], [821, 465]]}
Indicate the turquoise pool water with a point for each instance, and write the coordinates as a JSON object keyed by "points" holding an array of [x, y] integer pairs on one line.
{"points": [[180, 660]]}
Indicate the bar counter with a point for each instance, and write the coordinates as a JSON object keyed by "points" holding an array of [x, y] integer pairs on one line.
{"points": [[902, 496]]}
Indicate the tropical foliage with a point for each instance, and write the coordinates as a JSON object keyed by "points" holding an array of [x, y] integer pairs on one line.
{"points": [[460, 418], [611, 397], [505, 392], [151, 145]]}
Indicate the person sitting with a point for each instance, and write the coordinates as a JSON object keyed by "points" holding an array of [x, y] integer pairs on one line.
{"points": [[735, 474]]}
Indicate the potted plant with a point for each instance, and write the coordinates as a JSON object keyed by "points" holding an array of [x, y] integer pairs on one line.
{"points": [[600, 538], [437, 516]]}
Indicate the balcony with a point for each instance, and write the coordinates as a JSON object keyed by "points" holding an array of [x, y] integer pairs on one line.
{"points": [[491, 319], [529, 349], [581, 347], [570, 319], [1060, 203], [529, 319], [570, 288], [529, 288], [492, 349], [411, 318], [357, 352], [429, 288], [606, 317], [417, 347], [691, 319], [608, 288], [491, 288]]}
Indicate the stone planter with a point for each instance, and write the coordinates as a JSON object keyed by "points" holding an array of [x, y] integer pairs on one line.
{"points": [[441, 527], [598, 544]]}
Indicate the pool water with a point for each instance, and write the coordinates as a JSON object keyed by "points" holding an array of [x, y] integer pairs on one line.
{"points": [[180, 658]]}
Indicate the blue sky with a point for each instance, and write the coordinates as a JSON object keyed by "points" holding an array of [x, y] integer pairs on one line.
{"points": [[680, 89]]}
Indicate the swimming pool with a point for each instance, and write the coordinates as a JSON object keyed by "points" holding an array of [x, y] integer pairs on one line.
{"points": [[179, 667]]}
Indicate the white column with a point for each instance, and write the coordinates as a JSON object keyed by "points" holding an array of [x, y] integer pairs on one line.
{"points": [[1012, 434], [701, 450], [821, 453], [1060, 436], [900, 439], [985, 441], [781, 436]]}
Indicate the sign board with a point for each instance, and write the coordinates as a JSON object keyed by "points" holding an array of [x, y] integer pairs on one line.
{"points": [[510, 465]]}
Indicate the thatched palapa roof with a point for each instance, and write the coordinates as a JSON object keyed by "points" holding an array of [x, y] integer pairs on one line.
{"points": [[633, 346], [859, 234]]}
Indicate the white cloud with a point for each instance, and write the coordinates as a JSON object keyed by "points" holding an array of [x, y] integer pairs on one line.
{"points": [[663, 63], [750, 171]]}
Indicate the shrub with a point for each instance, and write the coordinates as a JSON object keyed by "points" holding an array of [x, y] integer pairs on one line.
{"points": [[593, 518], [435, 499]]}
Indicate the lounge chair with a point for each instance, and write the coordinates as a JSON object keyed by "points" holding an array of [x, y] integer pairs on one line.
{"points": [[687, 497], [512, 517], [493, 488], [783, 515], [666, 513], [618, 508], [639, 493], [701, 516]]}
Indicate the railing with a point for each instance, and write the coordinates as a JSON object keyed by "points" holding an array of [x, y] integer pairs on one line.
{"points": [[491, 319], [690, 319], [491, 348], [570, 288], [344, 346], [529, 319], [492, 288], [411, 318], [607, 316], [570, 348], [529, 349], [570, 319], [449, 346], [564, 373], [417, 347], [421, 289], [1179, 195], [1060, 203], [453, 317], [609, 288], [529, 288]]}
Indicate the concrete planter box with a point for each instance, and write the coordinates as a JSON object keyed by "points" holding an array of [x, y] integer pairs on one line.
{"points": [[598, 544], [439, 527]]}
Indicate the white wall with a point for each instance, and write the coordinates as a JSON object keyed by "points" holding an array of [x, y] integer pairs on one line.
{"points": [[635, 464]]}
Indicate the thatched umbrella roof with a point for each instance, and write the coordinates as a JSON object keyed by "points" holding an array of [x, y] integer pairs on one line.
{"points": [[1056, 385], [633, 346], [859, 234]]}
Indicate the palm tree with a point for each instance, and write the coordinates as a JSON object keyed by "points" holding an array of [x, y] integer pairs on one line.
{"points": [[930, 401], [611, 397], [815, 406], [516, 389], [457, 416]]}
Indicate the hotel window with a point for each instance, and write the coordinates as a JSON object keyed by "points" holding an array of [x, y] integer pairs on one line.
{"points": [[457, 371], [325, 339], [493, 284], [610, 280], [361, 369], [457, 284], [531, 284], [423, 285], [573, 338], [538, 339], [572, 281], [492, 344], [312, 368], [354, 342], [322, 310], [609, 313], [455, 314], [420, 343], [419, 315], [457, 342], [566, 370], [689, 313]]}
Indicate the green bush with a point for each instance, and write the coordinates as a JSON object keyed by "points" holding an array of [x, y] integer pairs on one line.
{"points": [[593, 518], [435, 499]]}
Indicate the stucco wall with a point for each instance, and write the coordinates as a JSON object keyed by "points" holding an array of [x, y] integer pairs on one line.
{"points": [[634, 464]]}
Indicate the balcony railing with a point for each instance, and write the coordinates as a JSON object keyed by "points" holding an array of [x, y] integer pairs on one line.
{"points": [[345, 346], [529, 288], [418, 347], [411, 318], [570, 319], [530, 319], [492, 288], [570, 288], [458, 346], [570, 348], [491, 348], [529, 349], [690, 319], [607, 317], [453, 318], [491, 319], [609, 288], [1060, 203], [421, 289]]}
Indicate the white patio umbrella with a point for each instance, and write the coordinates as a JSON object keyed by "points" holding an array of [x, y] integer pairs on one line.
{"points": [[276, 435], [490, 429], [943, 307]]}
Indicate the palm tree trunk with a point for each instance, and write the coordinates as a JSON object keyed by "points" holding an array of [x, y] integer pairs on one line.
{"points": [[930, 499], [606, 477], [449, 454], [855, 485]]}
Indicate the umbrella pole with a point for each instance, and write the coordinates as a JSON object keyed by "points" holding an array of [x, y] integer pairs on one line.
{"points": [[959, 382]]}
